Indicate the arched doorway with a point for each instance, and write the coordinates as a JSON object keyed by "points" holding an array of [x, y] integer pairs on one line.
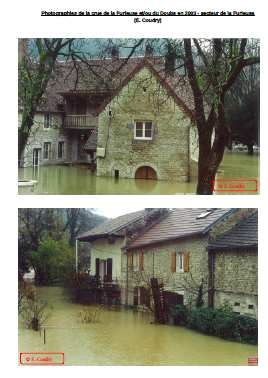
{"points": [[146, 172]]}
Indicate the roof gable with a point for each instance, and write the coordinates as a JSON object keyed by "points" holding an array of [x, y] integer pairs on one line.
{"points": [[111, 226], [245, 234], [164, 83]]}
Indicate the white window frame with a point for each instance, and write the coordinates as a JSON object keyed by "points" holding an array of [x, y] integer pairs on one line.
{"points": [[143, 137], [179, 261], [136, 261], [46, 151], [62, 150]]}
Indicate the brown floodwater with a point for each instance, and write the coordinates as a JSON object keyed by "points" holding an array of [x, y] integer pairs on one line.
{"points": [[125, 338], [56, 179]]}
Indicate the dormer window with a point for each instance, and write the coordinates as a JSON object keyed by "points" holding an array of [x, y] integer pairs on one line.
{"points": [[204, 215]]}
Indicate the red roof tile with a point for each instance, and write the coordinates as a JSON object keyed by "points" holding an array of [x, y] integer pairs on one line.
{"points": [[180, 223]]}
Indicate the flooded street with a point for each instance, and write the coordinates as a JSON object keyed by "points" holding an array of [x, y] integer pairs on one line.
{"points": [[125, 338], [72, 180]]}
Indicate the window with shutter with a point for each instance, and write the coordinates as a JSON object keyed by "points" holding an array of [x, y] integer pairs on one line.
{"points": [[136, 261], [179, 261], [173, 261], [140, 261], [109, 275], [186, 261], [97, 271], [131, 261]]}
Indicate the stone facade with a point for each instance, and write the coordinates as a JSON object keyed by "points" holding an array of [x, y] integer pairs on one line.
{"points": [[236, 280], [235, 270], [43, 142], [157, 263], [168, 152]]}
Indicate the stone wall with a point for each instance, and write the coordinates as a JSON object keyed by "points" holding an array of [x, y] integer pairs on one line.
{"points": [[236, 279], [39, 135], [157, 263], [166, 153]]}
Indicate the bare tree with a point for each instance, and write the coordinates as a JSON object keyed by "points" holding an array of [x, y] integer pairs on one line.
{"points": [[38, 62], [222, 61]]}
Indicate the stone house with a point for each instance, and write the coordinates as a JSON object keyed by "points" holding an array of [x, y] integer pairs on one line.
{"points": [[182, 248], [234, 265], [138, 122], [145, 129], [174, 252], [108, 239]]}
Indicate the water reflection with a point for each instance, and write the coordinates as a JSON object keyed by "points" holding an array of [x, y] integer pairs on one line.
{"points": [[72, 180], [124, 338]]}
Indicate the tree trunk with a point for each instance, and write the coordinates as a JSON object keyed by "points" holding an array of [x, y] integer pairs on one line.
{"points": [[211, 157]]}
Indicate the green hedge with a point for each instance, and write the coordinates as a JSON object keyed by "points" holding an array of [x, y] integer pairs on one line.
{"points": [[216, 322]]}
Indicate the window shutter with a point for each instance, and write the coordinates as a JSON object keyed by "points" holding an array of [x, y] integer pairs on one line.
{"points": [[109, 269], [131, 261], [140, 261], [186, 261], [97, 271], [173, 261]]}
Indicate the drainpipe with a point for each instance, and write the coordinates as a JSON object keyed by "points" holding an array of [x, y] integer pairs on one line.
{"points": [[189, 157], [212, 280], [127, 284], [76, 256]]}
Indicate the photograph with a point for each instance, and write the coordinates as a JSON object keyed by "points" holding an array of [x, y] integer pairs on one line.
{"points": [[151, 287], [138, 116], [122, 107]]}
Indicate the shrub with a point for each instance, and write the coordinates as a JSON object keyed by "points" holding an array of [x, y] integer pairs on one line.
{"points": [[179, 314], [248, 329], [217, 322], [201, 319], [88, 315], [226, 325]]}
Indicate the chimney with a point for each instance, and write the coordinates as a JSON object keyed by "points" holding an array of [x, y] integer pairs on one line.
{"points": [[148, 50], [115, 52], [170, 63]]}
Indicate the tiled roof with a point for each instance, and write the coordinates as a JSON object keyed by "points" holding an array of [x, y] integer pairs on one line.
{"points": [[111, 226], [103, 76], [245, 234], [180, 223], [92, 142]]}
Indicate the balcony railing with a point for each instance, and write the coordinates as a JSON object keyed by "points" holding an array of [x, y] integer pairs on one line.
{"points": [[80, 122]]}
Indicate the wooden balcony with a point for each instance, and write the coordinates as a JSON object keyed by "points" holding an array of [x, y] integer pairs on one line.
{"points": [[80, 122]]}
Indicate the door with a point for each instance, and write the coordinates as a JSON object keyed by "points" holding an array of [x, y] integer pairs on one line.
{"points": [[146, 172], [35, 157]]}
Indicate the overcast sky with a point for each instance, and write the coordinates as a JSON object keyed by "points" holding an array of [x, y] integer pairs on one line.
{"points": [[113, 212]]}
